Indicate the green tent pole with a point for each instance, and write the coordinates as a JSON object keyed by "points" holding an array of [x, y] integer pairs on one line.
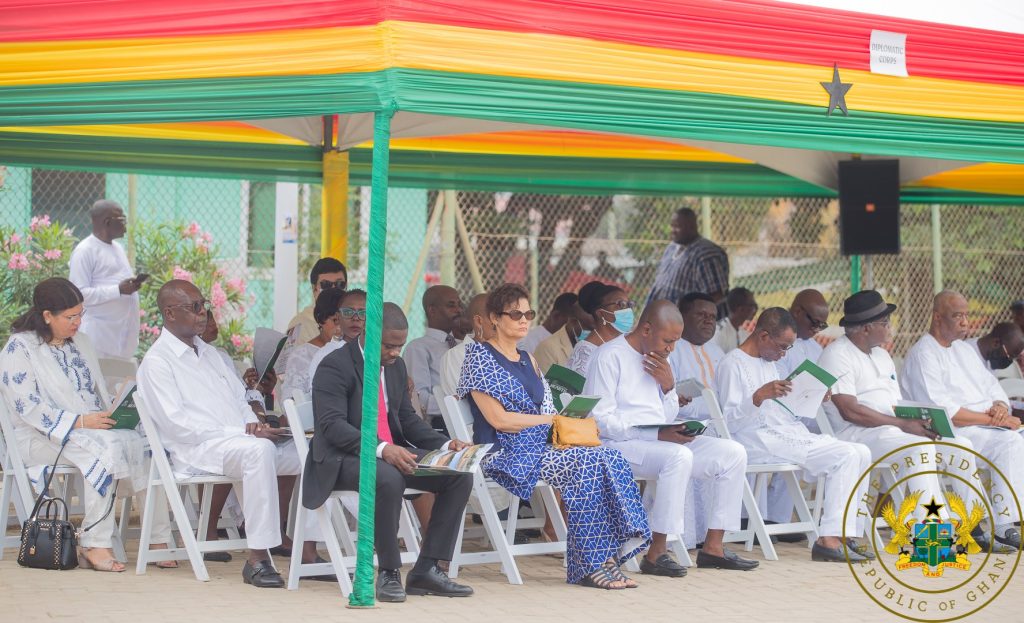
{"points": [[363, 587], [854, 274]]}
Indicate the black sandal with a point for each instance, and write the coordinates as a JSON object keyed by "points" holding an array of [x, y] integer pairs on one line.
{"points": [[616, 572], [602, 579]]}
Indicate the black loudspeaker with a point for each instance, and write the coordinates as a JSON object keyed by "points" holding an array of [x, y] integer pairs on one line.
{"points": [[869, 207]]}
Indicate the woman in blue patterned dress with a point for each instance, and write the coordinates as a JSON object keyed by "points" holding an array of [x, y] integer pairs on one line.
{"points": [[55, 396], [512, 407]]}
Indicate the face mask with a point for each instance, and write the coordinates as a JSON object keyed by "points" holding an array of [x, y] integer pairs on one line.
{"points": [[624, 320], [999, 361], [583, 334]]}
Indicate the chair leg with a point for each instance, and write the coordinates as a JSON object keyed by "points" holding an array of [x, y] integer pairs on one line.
{"points": [[755, 522], [188, 538], [145, 535], [802, 512], [5, 511], [324, 517], [492, 526], [298, 538], [453, 566]]}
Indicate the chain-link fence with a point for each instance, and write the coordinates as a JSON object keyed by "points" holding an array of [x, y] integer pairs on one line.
{"points": [[550, 243]]}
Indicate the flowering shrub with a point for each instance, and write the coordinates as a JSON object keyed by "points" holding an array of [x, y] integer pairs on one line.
{"points": [[173, 251], [28, 257]]}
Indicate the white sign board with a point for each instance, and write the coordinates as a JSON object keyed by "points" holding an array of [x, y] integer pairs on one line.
{"points": [[888, 53]]}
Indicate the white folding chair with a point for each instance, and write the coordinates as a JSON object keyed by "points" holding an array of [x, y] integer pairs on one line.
{"points": [[336, 563], [762, 473], [162, 479], [458, 418], [116, 371], [674, 541], [1014, 388]]}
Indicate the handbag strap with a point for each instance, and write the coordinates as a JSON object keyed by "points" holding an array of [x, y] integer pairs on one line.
{"points": [[46, 487], [46, 483]]}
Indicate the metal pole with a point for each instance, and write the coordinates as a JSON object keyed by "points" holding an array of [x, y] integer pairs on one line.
{"points": [[133, 212], [854, 274], [937, 280], [467, 248], [705, 217], [448, 238], [417, 274], [869, 273]]}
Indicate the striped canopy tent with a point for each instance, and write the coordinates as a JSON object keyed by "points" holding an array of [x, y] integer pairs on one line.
{"points": [[734, 77]]}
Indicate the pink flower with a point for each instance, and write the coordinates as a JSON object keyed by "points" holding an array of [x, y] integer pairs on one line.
{"points": [[192, 229], [52, 254], [235, 285], [39, 221], [201, 245], [218, 298], [181, 273], [15, 239], [18, 262], [236, 340], [206, 237], [67, 233]]}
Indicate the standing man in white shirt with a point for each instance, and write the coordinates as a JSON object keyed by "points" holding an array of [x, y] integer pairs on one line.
{"points": [[327, 273], [748, 383], [943, 369], [696, 355], [199, 408], [732, 329], [632, 375], [100, 269], [422, 356], [810, 311], [561, 312]]}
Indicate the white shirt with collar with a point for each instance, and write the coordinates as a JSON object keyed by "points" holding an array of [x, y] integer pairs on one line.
{"points": [[729, 337], [111, 318], [952, 377], [423, 361], [195, 399], [690, 361], [451, 365], [869, 377]]}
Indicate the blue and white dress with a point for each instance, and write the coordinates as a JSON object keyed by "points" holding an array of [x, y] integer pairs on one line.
{"points": [[596, 484]]}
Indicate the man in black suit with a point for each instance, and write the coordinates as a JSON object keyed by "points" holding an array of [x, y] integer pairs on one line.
{"points": [[333, 461]]}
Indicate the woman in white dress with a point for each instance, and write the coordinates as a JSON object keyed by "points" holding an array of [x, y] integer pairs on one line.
{"points": [[613, 315], [298, 381], [54, 390]]}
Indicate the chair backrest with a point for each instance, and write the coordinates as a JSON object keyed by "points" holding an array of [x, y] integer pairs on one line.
{"points": [[1014, 388], [115, 371], [715, 411], [824, 425], [149, 429], [295, 414], [11, 458], [457, 417]]}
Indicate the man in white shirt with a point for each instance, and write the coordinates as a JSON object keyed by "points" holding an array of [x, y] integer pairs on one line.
{"points": [[731, 329], [199, 408], [810, 311], [561, 312], [942, 369], [100, 269], [632, 375], [326, 273], [1000, 347], [861, 409], [451, 363], [748, 383], [696, 355], [422, 356]]}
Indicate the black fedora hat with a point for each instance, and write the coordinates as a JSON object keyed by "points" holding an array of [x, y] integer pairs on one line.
{"points": [[864, 307]]}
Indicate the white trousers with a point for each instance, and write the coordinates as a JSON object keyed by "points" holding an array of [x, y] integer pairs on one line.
{"points": [[719, 465], [908, 462], [40, 451], [258, 463], [1005, 449]]}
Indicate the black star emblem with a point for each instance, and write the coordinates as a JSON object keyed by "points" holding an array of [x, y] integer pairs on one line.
{"points": [[836, 92], [933, 508]]}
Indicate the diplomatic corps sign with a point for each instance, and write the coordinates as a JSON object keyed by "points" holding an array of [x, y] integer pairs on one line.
{"points": [[928, 565]]}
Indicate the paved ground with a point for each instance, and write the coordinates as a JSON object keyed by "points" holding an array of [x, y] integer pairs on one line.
{"points": [[792, 589]]}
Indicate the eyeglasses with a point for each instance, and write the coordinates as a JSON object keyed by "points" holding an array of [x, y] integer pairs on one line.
{"points": [[620, 304], [348, 313], [817, 325], [517, 315], [781, 347], [196, 307], [78, 316], [341, 284], [883, 322], [119, 219]]}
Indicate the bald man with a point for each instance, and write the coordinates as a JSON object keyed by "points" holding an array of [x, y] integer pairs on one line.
{"points": [[441, 305], [633, 377], [451, 363], [810, 311], [100, 269], [198, 405], [943, 369]]}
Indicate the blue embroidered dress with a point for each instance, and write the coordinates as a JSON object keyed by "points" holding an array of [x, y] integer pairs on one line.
{"points": [[601, 498]]}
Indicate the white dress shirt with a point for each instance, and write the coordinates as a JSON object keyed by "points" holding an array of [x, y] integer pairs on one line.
{"points": [[729, 337], [195, 399], [802, 351], [112, 318], [629, 395], [451, 365], [952, 377], [327, 349], [423, 360], [871, 378], [535, 336], [689, 361]]}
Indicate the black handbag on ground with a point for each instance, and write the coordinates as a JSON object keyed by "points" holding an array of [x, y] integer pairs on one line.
{"points": [[48, 539]]}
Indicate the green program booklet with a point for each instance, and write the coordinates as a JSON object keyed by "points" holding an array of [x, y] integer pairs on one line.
{"points": [[692, 427], [810, 384], [923, 411], [580, 406], [125, 413], [563, 382]]}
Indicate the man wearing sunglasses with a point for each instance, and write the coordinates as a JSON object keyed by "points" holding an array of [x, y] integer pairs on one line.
{"points": [[442, 306], [748, 383], [810, 311], [327, 273], [100, 269]]}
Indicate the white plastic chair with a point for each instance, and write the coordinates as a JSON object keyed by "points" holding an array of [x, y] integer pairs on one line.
{"points": [[116, 371], [762, 473], [457, 417], [1014, 388], [162, 479]]}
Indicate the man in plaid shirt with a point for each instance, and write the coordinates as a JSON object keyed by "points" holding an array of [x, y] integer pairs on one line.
{"points": [[691, 263]]}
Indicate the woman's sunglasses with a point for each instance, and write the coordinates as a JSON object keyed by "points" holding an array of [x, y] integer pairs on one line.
{"points": [[517, 315]]}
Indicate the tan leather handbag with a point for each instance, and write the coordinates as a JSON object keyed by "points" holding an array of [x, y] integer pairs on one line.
{"points": [[567, 432]]}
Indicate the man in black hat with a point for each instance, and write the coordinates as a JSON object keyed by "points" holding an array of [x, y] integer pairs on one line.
{"points": [[861, 409]]}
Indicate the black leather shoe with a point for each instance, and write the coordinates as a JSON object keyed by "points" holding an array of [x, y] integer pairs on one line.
{"points": [[281, 550], [1010, 537], [663, 566], [327, 577], [435, 582], [863, 550], [389, 586], [730, 561], [262, 575], [217, 557], [820, 553]]}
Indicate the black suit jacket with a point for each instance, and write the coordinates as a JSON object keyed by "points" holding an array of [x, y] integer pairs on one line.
{"points": [[338, 415]]}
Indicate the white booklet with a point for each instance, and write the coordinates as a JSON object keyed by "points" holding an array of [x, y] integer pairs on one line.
{"points": [[266, 348], [689, 388], [448, 462], [810, 384]]}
